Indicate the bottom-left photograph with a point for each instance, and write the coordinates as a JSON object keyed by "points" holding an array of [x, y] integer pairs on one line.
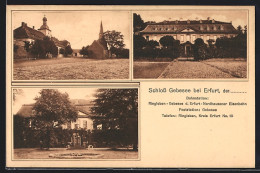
{"points": [[75, 123]]}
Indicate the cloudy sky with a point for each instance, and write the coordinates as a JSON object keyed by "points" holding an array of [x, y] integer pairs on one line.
{"points": [[28, 95], [80, 28], [238, 17]]}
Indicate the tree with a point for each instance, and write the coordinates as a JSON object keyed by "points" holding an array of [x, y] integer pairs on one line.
{"points": [[118, 113], [199, 49], [138, 23], [84, 51], [68, 50], [27, 46], [139, 42], [167, 41], [114, 39], [245, 29], [40, 48], [152, 44], [171, 47], [239, 29], [52, 108], [62, 51]]}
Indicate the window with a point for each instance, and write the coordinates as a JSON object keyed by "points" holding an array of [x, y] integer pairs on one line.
{"points": [[215, 28], [218, 27], [188, 37], [193, 38], [99, 126], [76, 126], [85, 124], [182, 38], [166, 29]]}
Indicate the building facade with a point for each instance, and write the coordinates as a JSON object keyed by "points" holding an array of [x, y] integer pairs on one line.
{"points": [[188, 31], [84, 119], [98, 49], [24, 33]]}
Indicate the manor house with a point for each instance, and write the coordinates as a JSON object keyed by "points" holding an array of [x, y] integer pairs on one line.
{"points": [[188, 31]]}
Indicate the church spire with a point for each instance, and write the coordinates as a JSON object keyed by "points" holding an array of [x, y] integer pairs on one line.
{"points": [[101, 31]]}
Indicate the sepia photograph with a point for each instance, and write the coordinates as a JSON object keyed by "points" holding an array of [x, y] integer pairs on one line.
{"points": [[75, 123], [71, 45], [190, 44]]}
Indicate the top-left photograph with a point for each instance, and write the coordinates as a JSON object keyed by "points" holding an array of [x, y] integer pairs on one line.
{"points": [[71, 45]]}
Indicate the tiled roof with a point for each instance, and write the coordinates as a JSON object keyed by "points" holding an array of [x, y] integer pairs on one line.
{"points": [[81, 105], [62, 43], [26, 32], [197, 26]]}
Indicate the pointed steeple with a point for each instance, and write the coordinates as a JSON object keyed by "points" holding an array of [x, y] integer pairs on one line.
{"points": [[101, 31]]}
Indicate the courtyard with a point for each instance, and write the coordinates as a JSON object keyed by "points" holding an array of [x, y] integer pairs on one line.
{"points": [[71, 69], [107, 153], [186, 69]]}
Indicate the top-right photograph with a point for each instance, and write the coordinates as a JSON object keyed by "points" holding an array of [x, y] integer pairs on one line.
{"points": [[190, 44]]}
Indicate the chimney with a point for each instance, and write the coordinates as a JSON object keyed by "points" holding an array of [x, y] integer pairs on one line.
{"points": [[188, 21], [24, 24], [33, 27], [213, 21], [200, 21]]}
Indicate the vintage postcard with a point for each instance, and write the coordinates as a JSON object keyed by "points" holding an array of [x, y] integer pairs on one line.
{"points": [[130, 86]]}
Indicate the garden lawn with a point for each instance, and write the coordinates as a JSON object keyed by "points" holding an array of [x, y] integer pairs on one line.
{"points": [[71, 68], [147, 70], [234, 67], [35, 153], [212, 69]]}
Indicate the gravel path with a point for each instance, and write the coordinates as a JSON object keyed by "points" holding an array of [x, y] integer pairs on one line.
{"points": [[205, 69], [79, 69]]}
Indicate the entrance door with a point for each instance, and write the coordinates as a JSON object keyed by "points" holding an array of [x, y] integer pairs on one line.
{"points": [[188, 50], [76, 140]]}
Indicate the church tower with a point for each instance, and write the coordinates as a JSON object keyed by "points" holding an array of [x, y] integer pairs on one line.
{"points": [[45, 28], [101, 38], [101, 34]]}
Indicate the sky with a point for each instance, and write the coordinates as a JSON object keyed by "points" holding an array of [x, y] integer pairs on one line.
{"points": [[28, 95], [238, 17], [80, 28]]}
